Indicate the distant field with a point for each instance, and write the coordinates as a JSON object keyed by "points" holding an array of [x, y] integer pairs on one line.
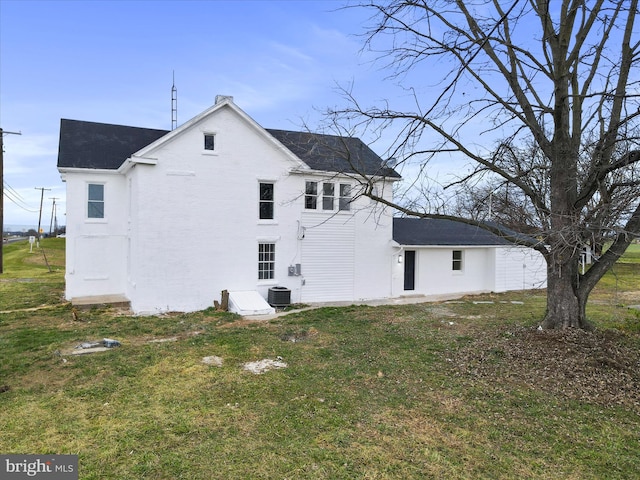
{"points": [[632, 255]]}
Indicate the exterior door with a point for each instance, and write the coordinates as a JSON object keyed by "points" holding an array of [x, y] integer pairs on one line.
{"points": [[409, 270]]}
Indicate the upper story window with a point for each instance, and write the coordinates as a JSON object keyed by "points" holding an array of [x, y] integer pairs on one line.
{"points": [[311, 196], [95, 200], [266, 203], [328, 191], [456, 260], [344, 202], [334, 195], [209, 142]]}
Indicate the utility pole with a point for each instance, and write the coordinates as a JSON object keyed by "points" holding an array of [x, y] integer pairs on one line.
{"points": [[42, 190], [53, 212], [2, 193]]}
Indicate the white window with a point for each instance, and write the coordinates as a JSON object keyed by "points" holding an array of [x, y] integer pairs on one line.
{"points": [[266, 202], [456, 260], [344, 202], [95, 200], [209, 142], [328, 190], [329, 200], [266, 261], [311, 195]]}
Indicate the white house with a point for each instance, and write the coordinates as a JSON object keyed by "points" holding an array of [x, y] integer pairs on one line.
{"points": [[438, 257], [166, 220]]}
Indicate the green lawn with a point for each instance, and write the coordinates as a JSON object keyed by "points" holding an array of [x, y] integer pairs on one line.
{"points": [[391, 392]]}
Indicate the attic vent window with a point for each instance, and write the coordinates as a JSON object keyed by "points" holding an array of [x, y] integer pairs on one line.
{"points": [[209, 141]]}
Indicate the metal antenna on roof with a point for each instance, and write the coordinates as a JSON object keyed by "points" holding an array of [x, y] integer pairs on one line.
{"points": [[174, 103]]}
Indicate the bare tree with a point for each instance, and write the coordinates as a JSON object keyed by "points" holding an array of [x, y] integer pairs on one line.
{"points": [[555, 85]]}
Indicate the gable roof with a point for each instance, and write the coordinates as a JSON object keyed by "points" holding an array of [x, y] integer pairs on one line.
{"points": [[94, 145], [101, 145], [435, 231], [331, 153]]}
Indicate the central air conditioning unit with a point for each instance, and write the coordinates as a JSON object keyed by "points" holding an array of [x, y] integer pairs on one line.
{"points": [[279, 297]]}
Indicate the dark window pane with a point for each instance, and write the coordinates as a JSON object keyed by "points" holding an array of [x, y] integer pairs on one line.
{"points": [[266, 210], [457, 260], [310, 203], [266, 201], [209, 142], [266, 191], [311, 188], [344, 203], [311, 196]]}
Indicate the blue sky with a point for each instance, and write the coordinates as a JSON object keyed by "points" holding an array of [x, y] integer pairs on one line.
{"points": [[113, 61]]}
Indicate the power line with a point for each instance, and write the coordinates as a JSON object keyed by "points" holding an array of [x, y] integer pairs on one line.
{"points": [[13, 190], [15, 198]]}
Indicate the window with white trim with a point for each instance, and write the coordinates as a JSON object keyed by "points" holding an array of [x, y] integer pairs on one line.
{"points": [[266, 203], [344, 202], [328, 190], [311, 195], [266, 261], [329, 201], [95, 200], [456, 260], [209, 142]]}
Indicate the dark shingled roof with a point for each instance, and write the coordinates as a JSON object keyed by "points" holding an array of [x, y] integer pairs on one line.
{"points": [[332, 153], [432, 231], [106, 146], [101, 145]]}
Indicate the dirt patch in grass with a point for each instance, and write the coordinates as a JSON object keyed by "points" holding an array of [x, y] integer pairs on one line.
{"points": [[601, 367]]}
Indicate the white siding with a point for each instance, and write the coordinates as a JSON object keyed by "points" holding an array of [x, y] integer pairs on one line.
{"points": [[485, 269], [435, 275], [519, 268], [328, 257], [95, 248]]}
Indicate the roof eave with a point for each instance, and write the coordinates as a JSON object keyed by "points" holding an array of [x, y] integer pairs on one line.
{"points": [[463, 245], [134, 160], [306, 170], [85, 170]]}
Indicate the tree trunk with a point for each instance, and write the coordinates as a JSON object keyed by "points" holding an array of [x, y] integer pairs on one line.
{"points": [[566, 304]]}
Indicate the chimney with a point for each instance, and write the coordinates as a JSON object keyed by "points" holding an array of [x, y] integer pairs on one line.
{"points": [[223, 98]]}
